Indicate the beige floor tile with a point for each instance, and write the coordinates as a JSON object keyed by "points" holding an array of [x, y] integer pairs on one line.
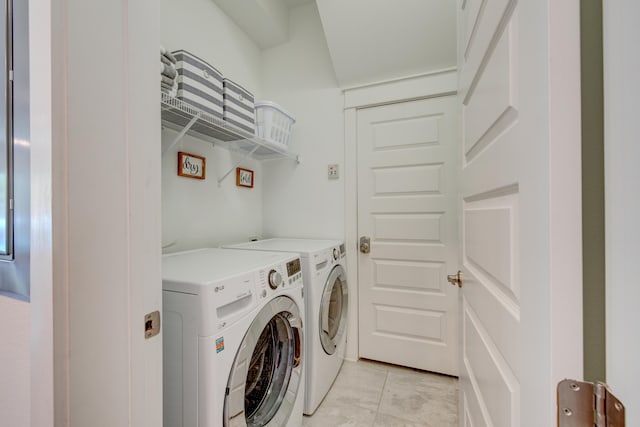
{"points": [[372, 394], [340, 414], [384, 420], [425, 398], [358, 384]]}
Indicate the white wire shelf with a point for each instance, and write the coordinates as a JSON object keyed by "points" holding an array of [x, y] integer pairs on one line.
{"points": [[182, 117]]}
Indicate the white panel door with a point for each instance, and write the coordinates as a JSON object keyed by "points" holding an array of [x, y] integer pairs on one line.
{"points": [[407, 206], [520, 209]]}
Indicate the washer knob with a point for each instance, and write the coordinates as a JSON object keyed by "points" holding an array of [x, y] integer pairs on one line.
{"points": [[275, 279], [336, 254]]}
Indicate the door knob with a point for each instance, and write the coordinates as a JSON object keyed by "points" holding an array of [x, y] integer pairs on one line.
{"points": [[365, 244], [455, 279]]}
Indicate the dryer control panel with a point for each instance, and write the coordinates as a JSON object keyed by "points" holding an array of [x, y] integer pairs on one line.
{"points": [[328, 258]]}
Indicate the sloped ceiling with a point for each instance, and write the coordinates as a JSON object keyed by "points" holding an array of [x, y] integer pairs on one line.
{"points": [[294, 3], [374, 40], [368, 40], [265, 21]]}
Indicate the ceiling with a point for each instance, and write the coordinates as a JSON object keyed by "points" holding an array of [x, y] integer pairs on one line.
{"points": [[294, 3], [368, 40], [374, 40]]}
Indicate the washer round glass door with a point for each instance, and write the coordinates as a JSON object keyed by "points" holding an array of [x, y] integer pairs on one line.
{"points": [[266, 373], [333, 310]]}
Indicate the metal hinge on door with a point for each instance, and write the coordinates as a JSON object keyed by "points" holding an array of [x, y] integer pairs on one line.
{"points": [[583, 404]]}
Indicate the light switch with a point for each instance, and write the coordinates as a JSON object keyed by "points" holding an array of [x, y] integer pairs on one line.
{"points": [[334, 172]]}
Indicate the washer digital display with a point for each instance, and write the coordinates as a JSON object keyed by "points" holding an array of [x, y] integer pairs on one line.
{"points": [[293, 267]]}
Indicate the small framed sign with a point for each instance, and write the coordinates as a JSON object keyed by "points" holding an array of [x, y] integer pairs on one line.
{"points": [[191, 166], [244, 177]]}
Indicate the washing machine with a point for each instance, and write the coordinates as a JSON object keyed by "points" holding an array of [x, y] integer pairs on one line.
{"points": [[326, 298], [233, 339]]}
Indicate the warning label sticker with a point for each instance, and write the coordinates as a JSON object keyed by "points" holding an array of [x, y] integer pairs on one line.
{"points": [[219, 344]]}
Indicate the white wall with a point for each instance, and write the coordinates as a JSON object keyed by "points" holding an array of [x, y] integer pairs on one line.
{"points": [[299, 76], [201, 213], [299, 200], [15, 363], [200, 27]]}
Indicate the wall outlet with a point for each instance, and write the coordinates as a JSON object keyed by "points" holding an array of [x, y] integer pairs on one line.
{"points": [[333, 172]]}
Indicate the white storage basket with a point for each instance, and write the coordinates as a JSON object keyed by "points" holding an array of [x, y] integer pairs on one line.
{"points": [[273, 124]]}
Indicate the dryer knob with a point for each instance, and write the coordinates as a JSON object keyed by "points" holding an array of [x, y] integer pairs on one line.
{"points": [[275, 279], [336, 254]]}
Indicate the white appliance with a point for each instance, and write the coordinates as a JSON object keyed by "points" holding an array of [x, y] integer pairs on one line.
{"points": [[233, 342], [326, 297]]}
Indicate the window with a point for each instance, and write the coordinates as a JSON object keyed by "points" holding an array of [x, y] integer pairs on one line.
{"points": [[6, 231], [15, 150], [6, 142]]}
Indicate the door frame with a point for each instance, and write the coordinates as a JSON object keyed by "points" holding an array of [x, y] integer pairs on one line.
{"points": [[41, 257], [622, 206], [429, 85]]}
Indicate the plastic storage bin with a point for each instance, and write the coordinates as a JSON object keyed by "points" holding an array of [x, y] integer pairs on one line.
{"points": [[199, 84], [273, 124]]}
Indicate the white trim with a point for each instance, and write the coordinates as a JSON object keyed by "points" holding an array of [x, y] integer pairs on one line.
{"points": [[404, 89], [400, 90], [398, 79], [351, 228], [58, 35], [565, 193], [41, 257]]}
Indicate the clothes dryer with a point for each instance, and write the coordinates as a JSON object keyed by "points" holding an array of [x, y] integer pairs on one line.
{"points": [[326, 298], [233, 339]]}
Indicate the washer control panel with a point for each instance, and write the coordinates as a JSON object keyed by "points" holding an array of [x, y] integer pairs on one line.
{"points": [[293, 267], [279, 277], [294, 271], [275, 279]]}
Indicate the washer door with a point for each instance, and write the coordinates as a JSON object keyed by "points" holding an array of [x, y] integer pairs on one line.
{"points": [[266, 373], [333, 310]]}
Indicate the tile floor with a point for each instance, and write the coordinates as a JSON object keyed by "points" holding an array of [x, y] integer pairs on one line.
{"points": [[367, 394]]}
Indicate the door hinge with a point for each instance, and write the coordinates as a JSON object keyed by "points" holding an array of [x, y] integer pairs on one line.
{"points": [[583, 404]]}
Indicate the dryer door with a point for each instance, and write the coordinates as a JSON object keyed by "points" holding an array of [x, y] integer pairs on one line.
{"points": [[266, 373], [333, 310]]}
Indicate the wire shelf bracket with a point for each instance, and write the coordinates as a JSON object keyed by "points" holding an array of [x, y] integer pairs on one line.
{"points": [[188, 120]]}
